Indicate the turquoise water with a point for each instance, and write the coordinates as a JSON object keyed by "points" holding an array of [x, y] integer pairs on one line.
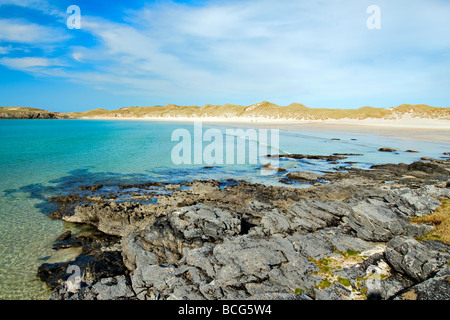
{"points": [[43, 158]]}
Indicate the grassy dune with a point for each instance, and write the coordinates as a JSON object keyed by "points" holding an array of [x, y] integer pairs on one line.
{"points": [[269, 111], [20, 109], [266, 110]]}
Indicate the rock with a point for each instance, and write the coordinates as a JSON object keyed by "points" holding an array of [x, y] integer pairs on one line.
{"points": [[303, 176], [394, 284], [53, 274], [207, 223], [150, 276], [269, 167], [309, 215], [114, 218], [335, 291], [65, 236], [435, 288], [239, 240], [387, 150], [112, 289], [106, 264], [92, 188], [429, 168], [373, 220], [417, 260], [134, 254], [172, 187], [202, 188], [312, 157], [282, 296], [412, 151]]}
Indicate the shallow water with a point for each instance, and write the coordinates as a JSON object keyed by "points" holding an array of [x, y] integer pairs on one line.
{"points": [[44, 158]]}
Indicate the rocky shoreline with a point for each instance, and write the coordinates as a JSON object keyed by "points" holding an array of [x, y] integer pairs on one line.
{"points": [[348, 235], [33, 115]]}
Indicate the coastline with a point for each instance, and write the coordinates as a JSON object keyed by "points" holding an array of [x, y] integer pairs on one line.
{"points": [[405, 128], [255, 190]]}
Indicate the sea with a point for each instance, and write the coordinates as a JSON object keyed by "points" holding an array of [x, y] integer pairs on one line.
{"points": [[41, 159]]}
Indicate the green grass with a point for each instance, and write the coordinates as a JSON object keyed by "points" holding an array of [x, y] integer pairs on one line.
{"points": [[324, 284], [298, 291], [344, 282], [441, 219]]}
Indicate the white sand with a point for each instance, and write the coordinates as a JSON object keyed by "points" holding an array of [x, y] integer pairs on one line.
{"points": [[404, 122], [405, 127]]}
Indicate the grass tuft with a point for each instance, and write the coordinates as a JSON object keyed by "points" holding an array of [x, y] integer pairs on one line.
{"points": [[441, 219]]}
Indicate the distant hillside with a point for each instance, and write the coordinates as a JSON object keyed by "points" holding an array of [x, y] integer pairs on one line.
{"points": [[267, 110], [29, 113], [263, 110]]}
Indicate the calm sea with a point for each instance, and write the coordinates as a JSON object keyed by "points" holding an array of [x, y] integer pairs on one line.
{"points": [[44, 158]]}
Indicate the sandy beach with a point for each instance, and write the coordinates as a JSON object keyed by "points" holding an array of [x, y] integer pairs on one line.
{"points": [[405, 127]]}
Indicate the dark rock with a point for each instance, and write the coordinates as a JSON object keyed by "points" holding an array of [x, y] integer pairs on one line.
{"points": [[53, 274], [312, 157], [394, 284], [65, 236], [435, 288], [92, 188], [387, 150]]}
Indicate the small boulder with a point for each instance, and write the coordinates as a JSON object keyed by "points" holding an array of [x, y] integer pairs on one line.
{"points": [[387, 150], [303, 176]]}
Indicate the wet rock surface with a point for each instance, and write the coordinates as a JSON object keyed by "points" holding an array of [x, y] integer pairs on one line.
{"points": [[348, 238]]}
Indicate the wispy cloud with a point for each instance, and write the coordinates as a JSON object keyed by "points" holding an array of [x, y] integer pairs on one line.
{"points": [[31, 64], [20, 31]]}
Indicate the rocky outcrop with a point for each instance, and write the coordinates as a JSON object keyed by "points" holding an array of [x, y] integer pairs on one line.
{"points": [[346, 239], [33, 115], [418, 260], [114, 218]]}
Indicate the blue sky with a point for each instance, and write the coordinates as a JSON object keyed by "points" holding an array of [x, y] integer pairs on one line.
{"points": [[144, 53]]}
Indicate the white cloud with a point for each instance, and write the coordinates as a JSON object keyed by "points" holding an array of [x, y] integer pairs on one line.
{"points": [[275, 48], [33, 64], [247, 51], [5, 50], [77, 56], [17, 30], [39, 5]]}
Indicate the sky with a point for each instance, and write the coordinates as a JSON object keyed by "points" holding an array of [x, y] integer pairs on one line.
{"points": [[322, 53]]}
